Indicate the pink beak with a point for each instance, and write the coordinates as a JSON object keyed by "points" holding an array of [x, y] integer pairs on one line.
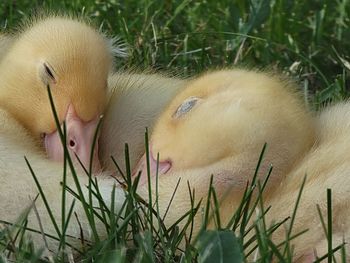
{"points": [[80, 137], [163, 168]]}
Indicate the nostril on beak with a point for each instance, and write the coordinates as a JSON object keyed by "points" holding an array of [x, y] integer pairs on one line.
{"points": [[71, 143]]}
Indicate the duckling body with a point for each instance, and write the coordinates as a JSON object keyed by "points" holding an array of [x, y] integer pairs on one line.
{"points": [[326, 166]]}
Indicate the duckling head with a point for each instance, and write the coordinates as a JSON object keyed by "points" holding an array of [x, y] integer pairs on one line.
{"points": [[219, 124], [74, 60]]}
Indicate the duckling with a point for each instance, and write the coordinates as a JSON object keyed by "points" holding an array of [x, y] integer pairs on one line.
{"points": [[74, 60], [217, 125], [326, 166]]}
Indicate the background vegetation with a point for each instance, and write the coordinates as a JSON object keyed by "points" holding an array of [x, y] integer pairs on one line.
{"points": [[308, 40]]}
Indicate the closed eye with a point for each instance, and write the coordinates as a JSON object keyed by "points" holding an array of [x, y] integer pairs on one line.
{"points": [[49, 72], [185, 107]]}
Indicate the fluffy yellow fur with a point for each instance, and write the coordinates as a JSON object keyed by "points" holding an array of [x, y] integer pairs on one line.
{"points": [[77, 56], [135, 101], [5, 43], [326, 166], [237, 111]]}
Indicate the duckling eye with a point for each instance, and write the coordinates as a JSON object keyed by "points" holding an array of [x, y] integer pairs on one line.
{"points": [[186, 106], [48, 72]]}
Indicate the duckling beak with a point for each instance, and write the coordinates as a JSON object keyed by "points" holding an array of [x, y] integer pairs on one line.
{"points": [[79, 140], [141, 167]]}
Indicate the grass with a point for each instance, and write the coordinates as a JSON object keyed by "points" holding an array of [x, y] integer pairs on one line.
{"points": [[308, 40], [133, 237]]}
